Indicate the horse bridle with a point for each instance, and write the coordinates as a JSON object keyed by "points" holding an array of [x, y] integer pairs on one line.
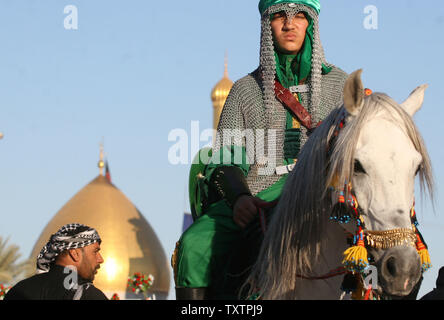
{"points": [[347, 209], [355, 258]]}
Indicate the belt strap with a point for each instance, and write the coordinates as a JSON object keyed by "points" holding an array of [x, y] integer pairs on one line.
{"points": [[289, 101]]}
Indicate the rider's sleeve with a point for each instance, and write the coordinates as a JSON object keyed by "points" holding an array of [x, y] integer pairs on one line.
{"points": [[228, 180], [230, 163]]}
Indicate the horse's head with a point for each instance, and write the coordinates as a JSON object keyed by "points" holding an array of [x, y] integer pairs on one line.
{"points": [[374, 152], [387, 155]]}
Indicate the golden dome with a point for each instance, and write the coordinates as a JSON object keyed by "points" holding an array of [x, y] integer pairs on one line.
{"points": [[221, 89], [129, 244], [219, 94]]}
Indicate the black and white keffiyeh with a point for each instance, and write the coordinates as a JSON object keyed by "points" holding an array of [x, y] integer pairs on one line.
{"points": [[70, 236]]}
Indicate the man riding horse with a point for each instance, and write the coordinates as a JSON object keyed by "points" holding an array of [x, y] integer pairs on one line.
{"points": [[266, 120]]}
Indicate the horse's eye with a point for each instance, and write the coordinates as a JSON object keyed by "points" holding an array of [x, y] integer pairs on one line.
{"points": [[358, 167]]}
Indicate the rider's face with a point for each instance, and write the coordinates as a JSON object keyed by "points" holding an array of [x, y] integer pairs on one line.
{"points": [[288, 35]]}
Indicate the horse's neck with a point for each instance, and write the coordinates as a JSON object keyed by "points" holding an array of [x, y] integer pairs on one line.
{"points": [[331, 255]]}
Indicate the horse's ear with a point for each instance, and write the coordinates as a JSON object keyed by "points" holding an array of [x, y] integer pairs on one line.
{"points": [[354, 93], [415, 100]]}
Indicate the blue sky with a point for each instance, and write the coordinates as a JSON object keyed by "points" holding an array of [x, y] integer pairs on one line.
{"points": [[135, 70]]}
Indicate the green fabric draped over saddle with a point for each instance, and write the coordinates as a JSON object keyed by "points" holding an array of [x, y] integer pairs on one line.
{"points": [[213, 235], [204, 164], [196, 183]]}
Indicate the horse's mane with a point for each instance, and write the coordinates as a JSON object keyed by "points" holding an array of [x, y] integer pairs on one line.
{"points": [[294, 237]]}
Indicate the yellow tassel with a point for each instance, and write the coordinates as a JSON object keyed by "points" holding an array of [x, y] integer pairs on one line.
{"points": [[425, 259], [423, 252], [355, 258]]}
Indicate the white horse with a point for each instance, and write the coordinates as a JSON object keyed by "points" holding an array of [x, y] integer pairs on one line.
{"points": [[379, 151]]}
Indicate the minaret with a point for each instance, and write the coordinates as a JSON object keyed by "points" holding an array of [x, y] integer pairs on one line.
{"points": [[219, 95]]}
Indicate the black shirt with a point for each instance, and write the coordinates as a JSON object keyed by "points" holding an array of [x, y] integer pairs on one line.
{"points": [[438, 292], [51, 286]]}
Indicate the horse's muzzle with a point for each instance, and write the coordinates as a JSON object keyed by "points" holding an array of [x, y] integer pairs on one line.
{"points": [[399, 269]]}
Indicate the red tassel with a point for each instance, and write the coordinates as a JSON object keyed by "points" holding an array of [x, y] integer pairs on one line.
{"points": [[367, 293]]}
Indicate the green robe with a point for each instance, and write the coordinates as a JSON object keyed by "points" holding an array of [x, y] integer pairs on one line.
{"points": [[211, 238]]}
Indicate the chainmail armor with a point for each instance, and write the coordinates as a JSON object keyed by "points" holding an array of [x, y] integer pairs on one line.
{"points": [[252, 103]]}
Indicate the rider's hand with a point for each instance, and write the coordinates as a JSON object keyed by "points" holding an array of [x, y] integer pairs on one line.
{"points": [[246, 208]]}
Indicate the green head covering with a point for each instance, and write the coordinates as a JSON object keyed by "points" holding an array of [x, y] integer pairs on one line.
{"points": [[265, 4], [307, 67]]}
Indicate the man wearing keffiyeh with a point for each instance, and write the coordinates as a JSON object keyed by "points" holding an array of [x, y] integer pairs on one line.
{"points": [[66, 267]]}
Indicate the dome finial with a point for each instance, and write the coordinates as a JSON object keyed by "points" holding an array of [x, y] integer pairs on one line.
{"points": [[226, 65], [101, 163]]}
